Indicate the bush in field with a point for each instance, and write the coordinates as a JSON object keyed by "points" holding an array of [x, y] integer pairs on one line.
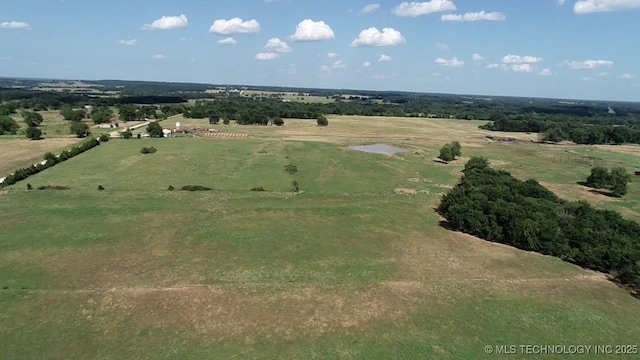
{"points": [[171, 188], [148, 150], [127, 135], [195, 188], [449, 152], [103, 138], [50, 187], [615, 181], [33, 133], [291, 169], [258, 189], [79, 129], [278, 121], [322, 120]]}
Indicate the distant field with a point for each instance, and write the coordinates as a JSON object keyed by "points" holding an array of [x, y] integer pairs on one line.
{"points": [[355, 266], [17, 153]]}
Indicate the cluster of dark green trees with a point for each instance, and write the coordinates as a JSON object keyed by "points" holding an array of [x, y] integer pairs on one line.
{"points": [[50, 160], [450, 152], [8, 125], [495, 206], [615, 181], [592, 130]]}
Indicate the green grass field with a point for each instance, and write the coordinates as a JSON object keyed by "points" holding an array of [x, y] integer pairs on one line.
{"points": [[355, 266]]}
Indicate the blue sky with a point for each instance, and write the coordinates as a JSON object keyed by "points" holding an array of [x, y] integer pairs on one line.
{"points": [[544, 48]]}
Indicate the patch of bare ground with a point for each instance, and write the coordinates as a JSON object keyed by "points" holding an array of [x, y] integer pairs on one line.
{"points": [[405, 191], [243, 314]]}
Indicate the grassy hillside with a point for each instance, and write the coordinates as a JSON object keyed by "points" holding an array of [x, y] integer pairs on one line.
{"points": [[355, 266]]}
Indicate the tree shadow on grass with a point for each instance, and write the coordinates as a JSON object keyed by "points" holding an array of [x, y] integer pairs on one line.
{"points": [[596, 191]]}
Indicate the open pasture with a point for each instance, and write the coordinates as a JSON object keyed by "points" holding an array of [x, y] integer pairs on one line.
{"points": [[354, 266]]}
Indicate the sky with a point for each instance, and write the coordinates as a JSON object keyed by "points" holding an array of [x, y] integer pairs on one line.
{"points": [[568, 49]]}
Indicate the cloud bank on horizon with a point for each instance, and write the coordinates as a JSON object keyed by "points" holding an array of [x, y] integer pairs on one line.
{"points": [[546, 48]]}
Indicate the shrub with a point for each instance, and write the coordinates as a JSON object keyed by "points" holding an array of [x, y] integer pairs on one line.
{"points": [[226, 121], [29, 187], [296, 186], [33, 133], [171, 188], [322, 120], [127, 135], [278, 122], [291, 169], [100, 187], [195, 188], [103, 138], [258, 189], [148, 150], [56, 187]]}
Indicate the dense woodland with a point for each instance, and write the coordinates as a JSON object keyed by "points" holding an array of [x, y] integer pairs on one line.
{"points": [[495, 206]]}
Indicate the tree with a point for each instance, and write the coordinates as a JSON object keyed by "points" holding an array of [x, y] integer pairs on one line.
{"points": [[618, 181], [278, 121], [214, 119], [322, 120], [80, 129], [102, 115], [72, 115], [33, 133], [456, 148], [127, 112], [103, 138], [450, 151], [154, 130], [476, 163], [31, 118], [446, 153], [8, 125], [127, 134], [599, 178]]}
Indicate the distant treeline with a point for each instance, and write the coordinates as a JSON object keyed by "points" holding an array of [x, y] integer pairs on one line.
{"points": [[581, 122], [495, 206], [592, 130]]}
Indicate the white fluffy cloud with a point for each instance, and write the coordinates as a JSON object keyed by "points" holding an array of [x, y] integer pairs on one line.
{"points": [[15, 25], [371, 8], [492, 66], [309, 30], [474, 16], [546, 72], [477, 57], [332, 55], [588, 64], [277, 45], [227, 41], [595, 6], [374, 37], [264, 56], [159, 56], [131, 42], [234, 26], [627, 76], [517, 59], [454, 63], [338, 64], [414, 8], [384, 57], [520, 67], [366, 64], [168, 23]]}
